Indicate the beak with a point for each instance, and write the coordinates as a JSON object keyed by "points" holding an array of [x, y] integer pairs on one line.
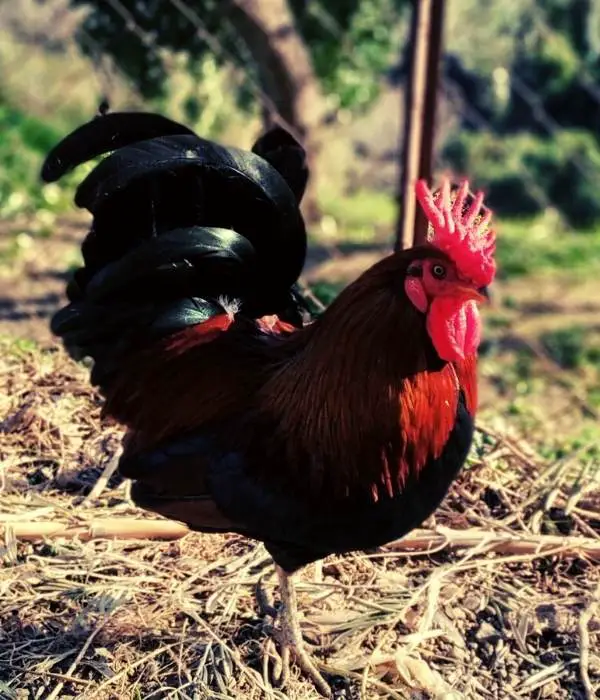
{"points": [[467, 293]]}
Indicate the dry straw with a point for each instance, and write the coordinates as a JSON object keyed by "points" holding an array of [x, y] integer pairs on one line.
{"points": [[495, 598]]}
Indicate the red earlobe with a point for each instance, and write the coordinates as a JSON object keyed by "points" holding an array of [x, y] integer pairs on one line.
{"points": [[415, 292]]}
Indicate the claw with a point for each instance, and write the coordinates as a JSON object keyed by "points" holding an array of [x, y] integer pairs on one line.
{"points": [[286, 640], [291, 635]]}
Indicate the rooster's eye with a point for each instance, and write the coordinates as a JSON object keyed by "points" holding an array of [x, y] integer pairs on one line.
{"points": [[438, 271]]}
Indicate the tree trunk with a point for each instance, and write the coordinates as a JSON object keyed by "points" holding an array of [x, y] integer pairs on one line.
{"points": [[292, 97]]}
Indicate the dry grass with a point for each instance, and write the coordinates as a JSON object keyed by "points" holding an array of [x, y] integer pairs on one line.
{"points": [[132, 619]]}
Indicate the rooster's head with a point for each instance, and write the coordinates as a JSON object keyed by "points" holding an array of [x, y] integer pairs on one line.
{"points": [[449, 279]]}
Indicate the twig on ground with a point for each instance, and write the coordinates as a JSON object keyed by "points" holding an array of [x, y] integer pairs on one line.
{"points": [[501, 542], [59, 686], [531, 461], [584, 644], [109, 469], [124, 672]]}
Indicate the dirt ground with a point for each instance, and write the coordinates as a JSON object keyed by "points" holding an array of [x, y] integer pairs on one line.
{"points": [[32, 288], [502, 604]]}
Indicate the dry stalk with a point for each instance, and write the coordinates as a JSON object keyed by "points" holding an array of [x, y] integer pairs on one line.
{"points": [[109, 469], [501, 542], [584, 644], [105, 528], [417, 542], [59, 686]]}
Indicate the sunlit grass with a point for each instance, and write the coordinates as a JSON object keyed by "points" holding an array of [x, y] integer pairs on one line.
{"points": [[529, 246], [366, 216]]}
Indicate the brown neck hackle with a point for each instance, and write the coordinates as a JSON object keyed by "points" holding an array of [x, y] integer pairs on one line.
{"points": [[365, 401], [359, 400]]}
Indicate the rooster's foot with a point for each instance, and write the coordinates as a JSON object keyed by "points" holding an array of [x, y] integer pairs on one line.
{"points": [[290, 637], [287, 637], [291, 647]]}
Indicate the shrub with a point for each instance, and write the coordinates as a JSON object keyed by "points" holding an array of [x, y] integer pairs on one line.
{"points": [[522, 173], [23, 145]]}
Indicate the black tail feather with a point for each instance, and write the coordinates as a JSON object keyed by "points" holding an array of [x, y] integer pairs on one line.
{"points": [[179, 263], [279, 148], [179, 222], [239, 190], [103, 134]]}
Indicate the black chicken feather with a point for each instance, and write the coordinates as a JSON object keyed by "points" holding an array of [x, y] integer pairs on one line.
{"points": [[149, 290], [107, 333], [178, 223], [286, 155], [131, 193], [103, 134], [257, 189], [169, 153], [85, 323], [181, 262]]}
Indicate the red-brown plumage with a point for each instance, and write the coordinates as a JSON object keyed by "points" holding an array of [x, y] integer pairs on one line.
{"points": [[350, 400], [182, 383], [193, 336], [340, 435], [466, 371], [358, 384]]}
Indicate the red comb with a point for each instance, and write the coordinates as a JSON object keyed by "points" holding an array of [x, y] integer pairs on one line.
{"points": [[460, 230]]}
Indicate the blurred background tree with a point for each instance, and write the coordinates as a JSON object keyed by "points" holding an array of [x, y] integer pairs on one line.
{"points": [[300, 61], [519, 105], [535, 114]]}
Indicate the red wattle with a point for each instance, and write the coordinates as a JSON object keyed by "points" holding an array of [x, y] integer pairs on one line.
{"points": [[454, 327]]}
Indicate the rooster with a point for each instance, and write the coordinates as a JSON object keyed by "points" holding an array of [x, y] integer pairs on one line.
{"points": [[338, 434]]}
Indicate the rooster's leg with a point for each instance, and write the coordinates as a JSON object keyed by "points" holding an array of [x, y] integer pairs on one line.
{"points": [[291, 635]]}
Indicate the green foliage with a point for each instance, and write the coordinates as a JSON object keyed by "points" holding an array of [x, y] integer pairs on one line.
{"points": [[496, 164], [326, 292], [351, 42], [201, 95], [566, 346], [523, 368], [554, 60], [497, 321], [547, 58], [532, 87], [522, 173], [594, 396], [25, 140], [533, 245], [352, 45], [572, 348], [360, 218], [17, 347]]}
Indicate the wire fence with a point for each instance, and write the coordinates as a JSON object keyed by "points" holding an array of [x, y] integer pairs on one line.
{"points": [[45, 71]]}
